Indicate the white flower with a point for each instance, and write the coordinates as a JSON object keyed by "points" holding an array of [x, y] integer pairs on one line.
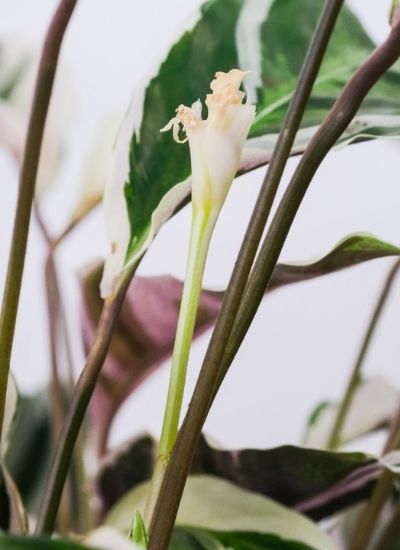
{"points": [[215, 143], [215, 148]]}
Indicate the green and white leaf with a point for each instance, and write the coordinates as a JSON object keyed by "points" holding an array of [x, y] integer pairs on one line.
{"points": [[214, 504], [151, 174], [350, 251], [374, 403]]}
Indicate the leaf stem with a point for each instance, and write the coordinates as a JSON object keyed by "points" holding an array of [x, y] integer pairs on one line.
{"points": [[203, 223], [213, 372], [334, 438], [73, 510], [369, 515], [391, 533], [41, 100], [79, 403]]}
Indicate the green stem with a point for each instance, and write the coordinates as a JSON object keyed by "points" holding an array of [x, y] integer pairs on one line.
{"points": [[203, 223], [79, 403], [73, 511], [213, 372], [352, 385], [57, 386], [40, 104], [383, 489]]}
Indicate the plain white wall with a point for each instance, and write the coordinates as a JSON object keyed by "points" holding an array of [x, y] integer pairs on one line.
{"points": [[305, 337]]}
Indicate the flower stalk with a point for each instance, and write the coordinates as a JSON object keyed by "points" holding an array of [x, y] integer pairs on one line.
{"points": [[215, 149], [380, 495], [203, 223]]}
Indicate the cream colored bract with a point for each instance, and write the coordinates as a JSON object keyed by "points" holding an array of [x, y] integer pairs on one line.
{"points": [[216, 142], [216, 145]]}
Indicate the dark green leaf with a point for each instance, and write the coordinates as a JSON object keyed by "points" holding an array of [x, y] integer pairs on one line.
{"points": [[33, 543], [4, 504], [199, 539], [319, 482], [29, 451]]}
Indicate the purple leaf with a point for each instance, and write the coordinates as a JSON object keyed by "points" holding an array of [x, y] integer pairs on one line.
{"points": [[143, 338]]}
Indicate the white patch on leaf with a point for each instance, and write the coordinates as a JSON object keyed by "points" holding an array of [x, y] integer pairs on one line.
{"points": [[212, 503], [248, 38]]}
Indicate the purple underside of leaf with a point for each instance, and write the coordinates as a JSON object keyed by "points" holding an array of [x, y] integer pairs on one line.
{"points": [[142, 341], [144, 336], [316, 482]]}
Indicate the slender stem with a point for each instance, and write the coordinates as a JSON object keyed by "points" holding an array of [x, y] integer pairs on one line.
{"points": [[262, 209], [41, 223], [68, 509], [392, 441], [352, 385], [391, 533], [212, 373], [203, 223], [70, 227], [370, 514], [79, 403], [74, 511], [53, 308], [383, 489], [58, 394], [53, 299], [41, 99]]}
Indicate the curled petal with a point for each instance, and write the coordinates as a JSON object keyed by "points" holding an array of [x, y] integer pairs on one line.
{"points": [[217, 142], [189, 117]]}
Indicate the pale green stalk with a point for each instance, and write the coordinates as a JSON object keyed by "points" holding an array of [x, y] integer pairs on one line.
{"points": [[203, 223]]}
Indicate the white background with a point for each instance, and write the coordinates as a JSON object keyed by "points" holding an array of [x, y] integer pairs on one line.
{"points": [[305, 337]]}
